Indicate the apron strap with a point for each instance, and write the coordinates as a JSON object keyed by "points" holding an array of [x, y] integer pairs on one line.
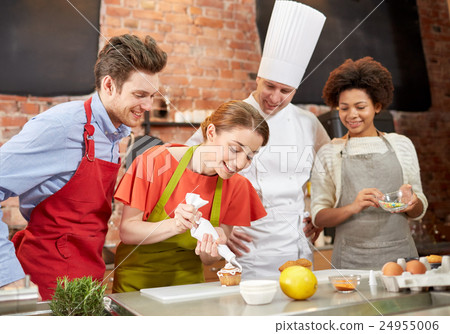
{"points": [[215, 209], [89, 132], [388, 144], [176, 177]]}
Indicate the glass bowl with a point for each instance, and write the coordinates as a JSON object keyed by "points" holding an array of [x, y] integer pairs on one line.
{"points": [[345, 283], [394, 201]]}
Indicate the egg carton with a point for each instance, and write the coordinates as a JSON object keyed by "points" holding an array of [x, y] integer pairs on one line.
{"points": [[438, 279]]}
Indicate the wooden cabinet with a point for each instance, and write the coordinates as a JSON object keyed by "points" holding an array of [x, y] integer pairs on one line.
{"points": [[322, 259], [108, 280], [210, 271]]}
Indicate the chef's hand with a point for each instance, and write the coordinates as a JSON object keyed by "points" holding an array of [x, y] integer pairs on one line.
{"points": [[186, 217], [235, 241], [310, 230], [366, 198], [207, 247]]}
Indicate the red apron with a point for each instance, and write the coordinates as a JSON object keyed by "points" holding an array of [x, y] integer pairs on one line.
{"points": [[66, 231]]}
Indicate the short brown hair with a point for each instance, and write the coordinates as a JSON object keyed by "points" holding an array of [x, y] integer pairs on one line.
{"points": [[366, 74], [237, 114], [123, 55]]}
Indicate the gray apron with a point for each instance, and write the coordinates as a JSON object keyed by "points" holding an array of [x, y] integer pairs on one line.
{"points": [[371, 238]]}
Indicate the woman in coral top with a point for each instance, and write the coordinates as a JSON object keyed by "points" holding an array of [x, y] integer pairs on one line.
{"points": [[157, 248]]}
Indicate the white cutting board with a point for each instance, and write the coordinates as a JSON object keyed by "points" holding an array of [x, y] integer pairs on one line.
{"points": [[180, 293], [322, 275]]}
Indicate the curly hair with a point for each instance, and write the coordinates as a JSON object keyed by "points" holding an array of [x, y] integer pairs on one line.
{"points": [[237, 114], [124, 54], [366, 74]]}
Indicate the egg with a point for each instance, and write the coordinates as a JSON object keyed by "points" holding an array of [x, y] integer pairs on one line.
{"points": [[415, 267], [392, 269]]}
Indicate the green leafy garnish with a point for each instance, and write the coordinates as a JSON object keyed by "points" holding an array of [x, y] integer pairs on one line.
{"points": [[80, 296]]}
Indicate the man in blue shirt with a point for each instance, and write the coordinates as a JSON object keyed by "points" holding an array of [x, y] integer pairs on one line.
{"points": [[63, 166]]}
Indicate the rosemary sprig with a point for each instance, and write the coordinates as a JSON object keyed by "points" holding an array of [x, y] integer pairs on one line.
{"points": [[80, 296]]}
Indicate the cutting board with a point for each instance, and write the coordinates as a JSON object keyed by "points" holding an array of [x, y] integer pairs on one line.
{"points": [[322, 275], [180, 293]]}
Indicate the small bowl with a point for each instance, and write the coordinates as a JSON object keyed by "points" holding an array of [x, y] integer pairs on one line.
{"points": [[258, 285], [258, 292], [394, 201], [345, 283]]}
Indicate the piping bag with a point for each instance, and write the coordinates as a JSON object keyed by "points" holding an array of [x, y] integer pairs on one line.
{"points": [[205, 226]]}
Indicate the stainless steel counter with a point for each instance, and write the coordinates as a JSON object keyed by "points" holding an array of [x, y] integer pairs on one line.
{"points": [[368, 300]]}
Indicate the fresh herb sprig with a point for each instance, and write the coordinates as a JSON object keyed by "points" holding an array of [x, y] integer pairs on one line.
{"points": [[80, 296]]}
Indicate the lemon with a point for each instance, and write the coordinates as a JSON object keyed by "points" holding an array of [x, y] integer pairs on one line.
{"points": [[298, 282]]}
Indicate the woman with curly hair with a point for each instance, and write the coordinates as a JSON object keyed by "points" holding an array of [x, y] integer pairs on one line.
{"points": [[352, 172]]}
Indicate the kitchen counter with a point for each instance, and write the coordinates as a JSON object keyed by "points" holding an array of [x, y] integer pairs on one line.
{"points": [[368, 300]]}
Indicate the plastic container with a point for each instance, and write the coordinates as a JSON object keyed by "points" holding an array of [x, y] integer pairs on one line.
{"points": [[438, 279]]}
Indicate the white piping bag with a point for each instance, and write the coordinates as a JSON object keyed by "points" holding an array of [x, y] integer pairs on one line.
{"points": [[205, 226]]}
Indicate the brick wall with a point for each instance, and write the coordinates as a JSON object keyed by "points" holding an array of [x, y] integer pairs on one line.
{"points": [[213, 45], [430, 130], [214, 51]]}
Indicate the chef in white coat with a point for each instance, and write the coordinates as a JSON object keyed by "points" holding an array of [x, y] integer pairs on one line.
{"points": [[281, 169]]}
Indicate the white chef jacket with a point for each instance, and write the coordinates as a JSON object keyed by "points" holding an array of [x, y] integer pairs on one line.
{"points": [[279, 173]]}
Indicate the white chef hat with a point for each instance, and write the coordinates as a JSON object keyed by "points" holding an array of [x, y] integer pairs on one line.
{"points": [[292, 35]]}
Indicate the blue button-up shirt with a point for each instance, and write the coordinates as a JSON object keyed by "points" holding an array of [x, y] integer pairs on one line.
{"points": [[43, 157]]}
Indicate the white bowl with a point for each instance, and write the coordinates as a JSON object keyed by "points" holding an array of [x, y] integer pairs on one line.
{"points": [[257, 285], [258, 297], [257, 292]]}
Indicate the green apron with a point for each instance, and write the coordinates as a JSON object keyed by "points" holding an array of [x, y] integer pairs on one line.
{"points": [[169, 262]]}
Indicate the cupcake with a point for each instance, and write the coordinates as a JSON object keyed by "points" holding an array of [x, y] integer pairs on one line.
{"points": [[300, 262], [304, 263], [287, 265], [229, 275], [434, 259]]}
